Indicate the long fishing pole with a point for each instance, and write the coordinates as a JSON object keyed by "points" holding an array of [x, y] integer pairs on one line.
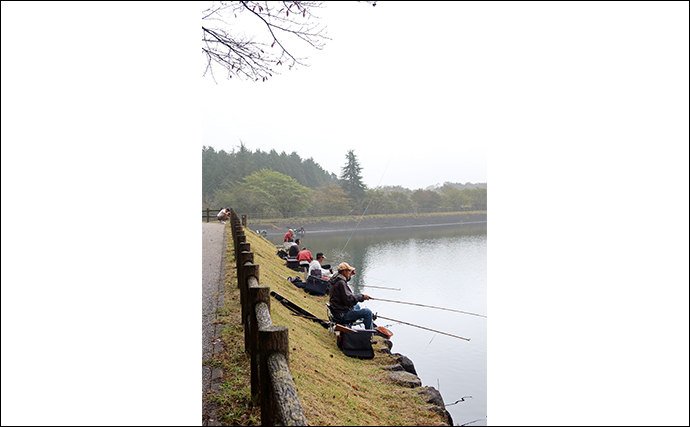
{"points": [[422, 327], [428, 306], [378, 287], [280, 275]]}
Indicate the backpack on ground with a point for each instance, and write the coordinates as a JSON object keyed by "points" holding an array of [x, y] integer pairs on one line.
{"points": [[297, 281], [356, 344]]}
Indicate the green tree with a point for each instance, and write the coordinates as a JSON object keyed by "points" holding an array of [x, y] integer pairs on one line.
{"points": [[351, 178], [268, 190], [381, 203], [426, 200], [477, 197], [330, 199], [211, 173], [400, 201], [453, 199]]}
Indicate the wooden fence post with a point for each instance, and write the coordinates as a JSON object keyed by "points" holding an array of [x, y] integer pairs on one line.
{"points": [[271, 340], [248, 270], [244, 220], [241, 238], [243, 258], [208, 215], [244, 247], [257, 294]]}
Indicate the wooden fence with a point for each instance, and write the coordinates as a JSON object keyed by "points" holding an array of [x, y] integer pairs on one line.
{"points": [[271, 381]]}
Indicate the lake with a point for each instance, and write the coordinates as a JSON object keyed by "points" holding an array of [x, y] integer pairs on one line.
{"points": [[443, 266]]}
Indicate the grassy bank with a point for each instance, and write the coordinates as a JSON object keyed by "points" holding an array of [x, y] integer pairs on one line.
{"points": [[334, 389]]}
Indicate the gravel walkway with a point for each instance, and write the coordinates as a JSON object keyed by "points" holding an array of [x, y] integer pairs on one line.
{"points": [[213, 272]]}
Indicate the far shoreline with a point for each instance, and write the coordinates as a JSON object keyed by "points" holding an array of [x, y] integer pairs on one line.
{"points": [[373, 222]]}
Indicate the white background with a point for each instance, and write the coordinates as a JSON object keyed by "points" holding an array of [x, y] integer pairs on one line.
{"points": [[586, 135]]}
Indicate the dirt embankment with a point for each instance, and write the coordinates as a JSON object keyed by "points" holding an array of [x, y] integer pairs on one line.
{"points": [[373, 222]]}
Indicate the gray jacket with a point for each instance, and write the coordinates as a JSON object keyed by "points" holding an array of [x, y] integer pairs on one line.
{"points": [[341, 297]]}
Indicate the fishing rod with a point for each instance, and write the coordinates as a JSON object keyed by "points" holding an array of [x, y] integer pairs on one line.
{"points": [[422, 327], [280, 275], [378, 287], [297, 309], [428, 306]]}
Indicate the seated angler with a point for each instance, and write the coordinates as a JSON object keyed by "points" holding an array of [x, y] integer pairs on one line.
{"points": [[304, 255], [316, 270], [294, 249], [344, 304], [288, 239]]}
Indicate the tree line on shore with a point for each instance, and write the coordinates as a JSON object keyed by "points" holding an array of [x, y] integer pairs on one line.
{"points": [[270, 184]]}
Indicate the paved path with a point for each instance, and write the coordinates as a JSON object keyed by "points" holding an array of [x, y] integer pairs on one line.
{"points": [[213, 272]]}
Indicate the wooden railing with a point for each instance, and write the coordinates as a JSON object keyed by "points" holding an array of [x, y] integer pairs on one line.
{"points": [[271, 381]]}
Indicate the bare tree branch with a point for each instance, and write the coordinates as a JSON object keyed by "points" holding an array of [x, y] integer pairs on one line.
{"points": [[253, 59]]}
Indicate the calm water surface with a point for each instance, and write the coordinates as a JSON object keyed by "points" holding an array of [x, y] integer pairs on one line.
{"points": [[439, 266]]}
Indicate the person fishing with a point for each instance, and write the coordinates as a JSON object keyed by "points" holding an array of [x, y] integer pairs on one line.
{"points": [[288, 239], [304, 255], [344, 304], [294, 249], [316, 270]]}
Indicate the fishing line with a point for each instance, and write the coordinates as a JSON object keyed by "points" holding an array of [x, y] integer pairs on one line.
{"points": [[371, 200], [422, 327], [428, 306], [427, 346]]}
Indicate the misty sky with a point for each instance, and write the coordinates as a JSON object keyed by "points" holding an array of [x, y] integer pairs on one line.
{"points": [[401, 85]]}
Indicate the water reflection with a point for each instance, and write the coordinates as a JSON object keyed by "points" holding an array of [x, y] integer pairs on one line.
{"points": [[436, 266]]}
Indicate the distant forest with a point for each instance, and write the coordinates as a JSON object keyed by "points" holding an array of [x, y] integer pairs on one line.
{"points": [[266, 185]]}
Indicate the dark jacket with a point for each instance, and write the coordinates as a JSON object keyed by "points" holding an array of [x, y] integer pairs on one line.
{"points": [[341, 298]]}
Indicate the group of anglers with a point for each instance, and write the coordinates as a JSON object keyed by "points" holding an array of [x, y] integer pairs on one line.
{"points": [[344, 305]]}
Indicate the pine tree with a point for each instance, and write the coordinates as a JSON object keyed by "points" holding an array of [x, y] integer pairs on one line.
{"points": [[351, 178]]}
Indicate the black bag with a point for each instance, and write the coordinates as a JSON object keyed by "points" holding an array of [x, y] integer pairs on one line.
{"points": [[297, 281], [282, 254], [292, 263], [316, 286], [356, 344]]}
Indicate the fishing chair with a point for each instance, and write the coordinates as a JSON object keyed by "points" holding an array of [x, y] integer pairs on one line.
{"points": [[332, 322]]}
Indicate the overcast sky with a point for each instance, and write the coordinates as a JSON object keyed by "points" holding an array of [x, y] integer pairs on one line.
{"points": [[403, 85]]}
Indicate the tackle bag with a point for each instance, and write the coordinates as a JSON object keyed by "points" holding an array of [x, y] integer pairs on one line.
{"points": [[356, 344], [316, 286]]}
